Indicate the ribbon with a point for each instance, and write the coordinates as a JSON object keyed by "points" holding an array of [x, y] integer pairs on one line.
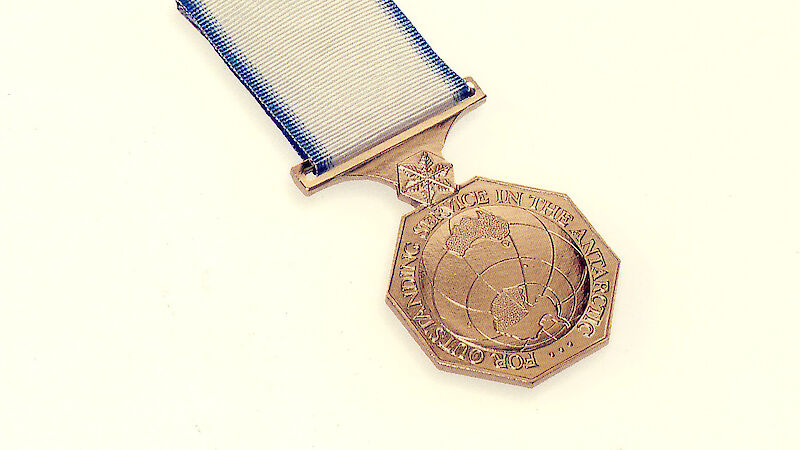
{"points": [[336, 76]]}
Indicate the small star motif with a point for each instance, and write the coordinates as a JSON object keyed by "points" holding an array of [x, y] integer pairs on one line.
{"points": [[426, 179]]}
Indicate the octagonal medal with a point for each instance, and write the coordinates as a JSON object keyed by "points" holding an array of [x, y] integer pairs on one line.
{"points": [[503, 281]]}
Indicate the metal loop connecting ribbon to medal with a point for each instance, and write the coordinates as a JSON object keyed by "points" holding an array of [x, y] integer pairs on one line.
{"points": [[334, 75]]}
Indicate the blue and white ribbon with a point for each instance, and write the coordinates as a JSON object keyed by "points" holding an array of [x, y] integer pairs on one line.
{"points": [[337, 76]]}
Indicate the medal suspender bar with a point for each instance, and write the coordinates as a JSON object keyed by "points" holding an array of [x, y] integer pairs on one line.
{"points": [[492, 279]]}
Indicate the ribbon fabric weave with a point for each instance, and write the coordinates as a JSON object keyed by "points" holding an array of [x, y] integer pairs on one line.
{"points": [[337, 76]]}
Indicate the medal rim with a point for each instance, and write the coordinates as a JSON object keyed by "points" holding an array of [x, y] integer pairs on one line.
{"points": [[502, 376]]}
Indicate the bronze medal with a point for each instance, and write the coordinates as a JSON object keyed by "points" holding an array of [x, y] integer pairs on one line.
{"points": [[492, 279]]}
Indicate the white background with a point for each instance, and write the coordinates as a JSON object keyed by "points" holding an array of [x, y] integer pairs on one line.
{"points": [[164, 285]]}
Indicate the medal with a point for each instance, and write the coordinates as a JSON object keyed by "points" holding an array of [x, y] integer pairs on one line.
{"points": [[492, 279]]}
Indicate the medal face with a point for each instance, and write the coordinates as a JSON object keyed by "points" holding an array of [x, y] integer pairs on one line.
{"points": [[502, 281]]}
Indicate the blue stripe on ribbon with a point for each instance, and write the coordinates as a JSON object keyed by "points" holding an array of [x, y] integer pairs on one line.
{"points": [[276, 109], [458, 85]]}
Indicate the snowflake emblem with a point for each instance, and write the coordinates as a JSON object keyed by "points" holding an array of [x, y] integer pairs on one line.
{"points": [[426, 178]]}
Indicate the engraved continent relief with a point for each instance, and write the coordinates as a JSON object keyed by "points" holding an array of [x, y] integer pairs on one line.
{"points": [[510, 284], [469, 230], [509, 308]]}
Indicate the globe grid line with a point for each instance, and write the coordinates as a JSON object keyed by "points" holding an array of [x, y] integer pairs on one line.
{"points": [[469, 322], [465, 307], [521, 268], [552, 247], [526, 283], [478, 276], [547, 291], [574, 247], [571, 244], [450, 299]]}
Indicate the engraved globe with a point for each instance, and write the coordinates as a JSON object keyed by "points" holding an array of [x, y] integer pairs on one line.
{"points": [[505, 279]]}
